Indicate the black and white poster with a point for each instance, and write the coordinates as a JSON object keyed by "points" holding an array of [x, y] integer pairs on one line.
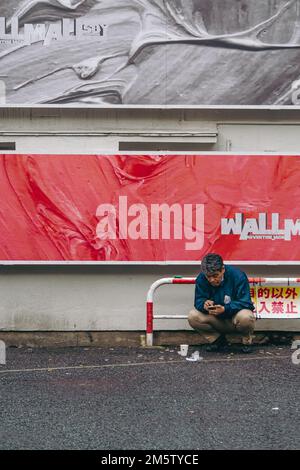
{"points": [[150, 52]]}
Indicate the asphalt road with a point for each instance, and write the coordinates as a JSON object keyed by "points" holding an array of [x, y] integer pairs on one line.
{"points": [[119, 398]]}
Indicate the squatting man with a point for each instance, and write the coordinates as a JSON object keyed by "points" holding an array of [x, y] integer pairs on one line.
{"points": [[223, 303]]}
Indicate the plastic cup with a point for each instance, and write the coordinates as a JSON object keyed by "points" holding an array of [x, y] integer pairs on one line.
{"points": [[184, 349]]}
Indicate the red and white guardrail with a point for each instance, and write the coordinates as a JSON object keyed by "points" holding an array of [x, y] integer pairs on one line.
{"points": [[192, 280]]}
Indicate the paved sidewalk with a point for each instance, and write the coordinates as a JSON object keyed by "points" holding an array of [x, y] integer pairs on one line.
{"points": [[118, 398]]}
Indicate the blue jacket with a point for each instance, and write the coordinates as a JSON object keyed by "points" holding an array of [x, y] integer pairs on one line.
{"points": [[233, 293]]}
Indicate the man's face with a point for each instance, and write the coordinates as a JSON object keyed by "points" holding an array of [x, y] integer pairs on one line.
{"points": [[215, 278]]}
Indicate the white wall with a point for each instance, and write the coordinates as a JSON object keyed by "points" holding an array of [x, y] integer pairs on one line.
{"points": [[113, 297]]}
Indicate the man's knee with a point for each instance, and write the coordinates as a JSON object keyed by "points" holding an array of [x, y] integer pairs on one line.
{"points": [[195, 318], [244, 320]]}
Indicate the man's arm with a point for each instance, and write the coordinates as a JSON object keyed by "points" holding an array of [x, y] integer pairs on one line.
{"points": [[242, 299], [201, 296]]}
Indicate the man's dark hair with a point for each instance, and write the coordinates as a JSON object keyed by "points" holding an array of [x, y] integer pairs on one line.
{"points": [[212, 263]]}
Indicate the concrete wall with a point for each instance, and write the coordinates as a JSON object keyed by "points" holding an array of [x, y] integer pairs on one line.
{"points": [[70, 298]]}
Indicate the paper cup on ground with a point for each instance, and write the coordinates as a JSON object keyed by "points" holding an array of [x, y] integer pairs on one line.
{"points": [[183, 349]]}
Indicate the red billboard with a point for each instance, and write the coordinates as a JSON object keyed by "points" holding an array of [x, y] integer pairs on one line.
{"points": [[149, 208]]}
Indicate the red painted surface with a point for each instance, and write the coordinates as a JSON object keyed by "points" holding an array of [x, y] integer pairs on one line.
{"points": [[48, 208], [257, 280], [149, 327]]}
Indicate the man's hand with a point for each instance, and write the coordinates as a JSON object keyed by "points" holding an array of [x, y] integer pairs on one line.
{"points": [[216, 310], [208, 303]]}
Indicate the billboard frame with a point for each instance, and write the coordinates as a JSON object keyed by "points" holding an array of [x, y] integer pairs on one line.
{"points": [[151, 107]]}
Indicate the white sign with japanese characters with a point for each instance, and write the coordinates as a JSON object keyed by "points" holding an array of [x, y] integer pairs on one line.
{"points": [[276, 301]]}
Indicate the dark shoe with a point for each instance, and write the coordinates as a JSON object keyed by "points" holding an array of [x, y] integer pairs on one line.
{"points": [[247, 349], [218, 345]]}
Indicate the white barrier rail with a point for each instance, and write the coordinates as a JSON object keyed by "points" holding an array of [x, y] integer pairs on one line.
{"points": [[191, 280]]}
